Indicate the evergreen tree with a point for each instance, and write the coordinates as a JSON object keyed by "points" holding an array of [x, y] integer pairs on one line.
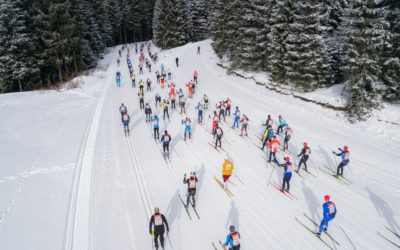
{"points": [[391, 64], [199, 22], [280, 18], [305, 51], [104, 22], [365, 28], [219, 17], [169, 24], [18, 70]]}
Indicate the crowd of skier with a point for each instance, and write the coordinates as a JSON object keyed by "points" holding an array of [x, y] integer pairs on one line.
{"points": [[269, 139]]}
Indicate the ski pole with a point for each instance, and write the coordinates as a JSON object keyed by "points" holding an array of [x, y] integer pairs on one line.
{"points": [[269, 180], [169, 240]]}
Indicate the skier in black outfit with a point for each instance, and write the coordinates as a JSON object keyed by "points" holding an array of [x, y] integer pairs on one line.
{"points": [[148, 112], [305, 154], [191, 182], [141, 99], [148, 84], [158, 99], [165, 139], [159, 222], [177, 62], [219, 133], [125, 120]]}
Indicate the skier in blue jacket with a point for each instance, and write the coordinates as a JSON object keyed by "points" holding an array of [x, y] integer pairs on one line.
{"points": [[345, 156], [236, 118], [156, 126], [329, 208], [282, 124], [118, 78], [232, 239], [199, 107], [187, 123], [287, 175]]}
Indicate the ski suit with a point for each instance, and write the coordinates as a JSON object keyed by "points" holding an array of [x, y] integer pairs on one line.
{"points": [[228, 107], [118, 79], [205, 101], [227, 169], [148, 112], [273, 144], [156, 126], [244, 122], [158, 220], [164, 106], [195, 75], [133, 80], [305, 154], [282, 123], [141, 99], [287, 166], [269, 133], [141, 86], [188, 129], [288, 135], [199, 109], [233, 241], [125, 120], [329, 209], [191, 182], [122, 109], [165, 139], [219, 133], [215, 124], [158, 99], [236, 118], [345, 155], [221, 108]]}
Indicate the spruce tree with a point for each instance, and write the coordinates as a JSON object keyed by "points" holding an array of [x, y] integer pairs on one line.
{"points": [[18, 70], [199, 22], [365, 29], [169, 24], [219, 17], [305, 50], [280, 18]]}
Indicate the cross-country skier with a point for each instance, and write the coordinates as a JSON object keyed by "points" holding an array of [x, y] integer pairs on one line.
{"points": [[125, 120], [158, 221], [190, 89], [148, 84], [345, 156], [244, 122], [140, 69], [162, 68], [141, 99], [169, 74], [148, 112], [273, 145], [227, 169], [191, 192], [165, 139], [164, 107], [122, 109], [158, 75], [173, 101], [268, 123], [215, 121], [141, 85], [118, 61], [221, 107], [218, 133], [236, 118], [198, 50], [228, 103], [195, 76], [118, 78], [288, 135], [199, 107], [158, 99], [232, 239], [305, 154], [282, 124], [193, 87], [177, 61], [156, 126], [205, 102], [287, 166], [133, 80], [182, 102], [329, 213], [187, 123], [268, 134]]}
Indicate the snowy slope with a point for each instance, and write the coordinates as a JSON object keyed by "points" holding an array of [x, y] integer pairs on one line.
{"points": [[83, 185]]}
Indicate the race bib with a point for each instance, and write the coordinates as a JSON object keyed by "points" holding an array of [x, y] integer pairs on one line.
{"points": [[158, 220]]}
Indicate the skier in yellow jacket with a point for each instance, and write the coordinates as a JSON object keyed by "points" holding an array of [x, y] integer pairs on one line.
{"points": [[227, 169]]}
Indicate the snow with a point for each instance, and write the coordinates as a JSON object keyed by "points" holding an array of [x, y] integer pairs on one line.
{"points": [[71, 179]]}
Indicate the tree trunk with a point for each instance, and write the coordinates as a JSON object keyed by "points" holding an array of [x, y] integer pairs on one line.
{"points": [[48, 80], [59, 72], [133, 36], [141, 32], [75, 65], [125, 32], [120, 34], [19, 84]]}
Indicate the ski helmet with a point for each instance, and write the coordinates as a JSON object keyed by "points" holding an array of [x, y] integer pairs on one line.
{"points": [[287, 158], [156, 210], [327, 197], [279, 116], [187, 119], [346, 148], [305, 144], [232, 228]]}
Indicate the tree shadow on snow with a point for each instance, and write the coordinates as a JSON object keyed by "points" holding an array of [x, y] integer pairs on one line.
{"points": [[173, 211], [233, 216], [312, 201], [384, 210]]}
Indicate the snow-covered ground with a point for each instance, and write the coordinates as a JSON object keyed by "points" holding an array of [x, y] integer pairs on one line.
{"points": [[70, 178]]}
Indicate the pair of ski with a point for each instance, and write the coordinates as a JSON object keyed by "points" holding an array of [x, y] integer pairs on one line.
{"points": [[283, 191], [315, 234], [165, 156], [127, 133], [389, 240], [187, 208], [227, 191], [220, 245], [332, 173], [218, 148]]}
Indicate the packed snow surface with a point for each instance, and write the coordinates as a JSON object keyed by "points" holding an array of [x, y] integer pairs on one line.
{"points": [[71, 179]]}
